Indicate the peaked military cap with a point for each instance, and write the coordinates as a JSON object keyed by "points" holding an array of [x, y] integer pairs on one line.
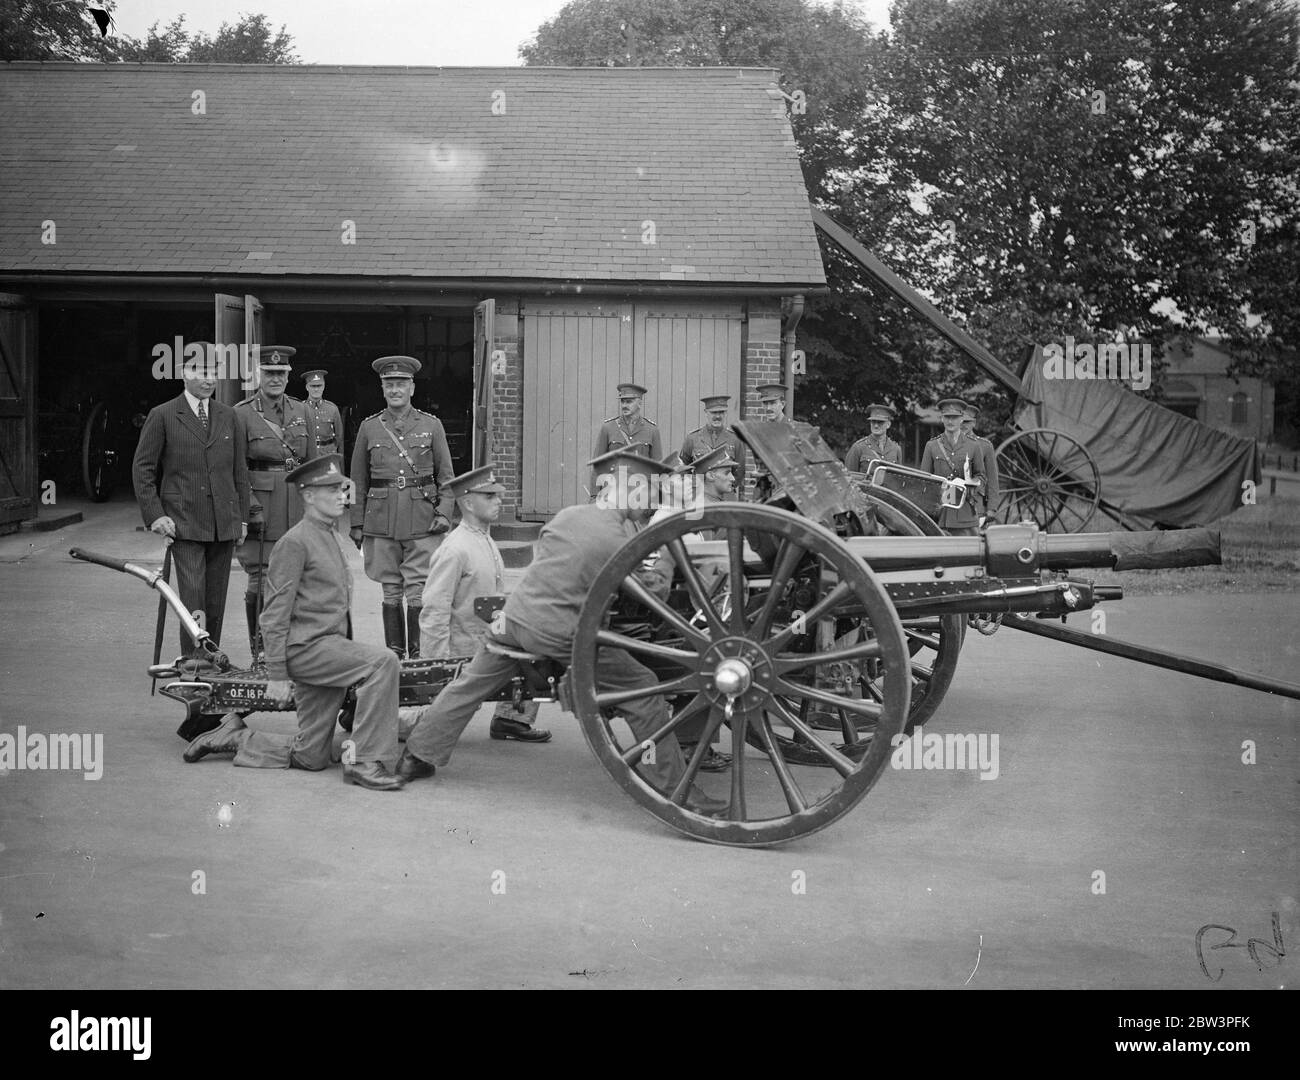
{"points": [[396, 367], [880, 412], [951, 407], [319, 472], [772, 390], [716, 401], [717, 458], [275, 357], [315, 373], [972, 411], [630, 390], [633, 463], [480, 481]]}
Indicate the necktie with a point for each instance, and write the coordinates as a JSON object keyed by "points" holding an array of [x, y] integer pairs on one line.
{"points": [[203, 413]]}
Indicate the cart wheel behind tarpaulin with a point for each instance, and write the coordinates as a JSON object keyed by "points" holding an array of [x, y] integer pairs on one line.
{"points": [[750, 658], [1048, 477]]}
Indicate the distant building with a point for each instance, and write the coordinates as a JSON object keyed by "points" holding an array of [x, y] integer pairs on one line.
{"points": [[1195, 383]]}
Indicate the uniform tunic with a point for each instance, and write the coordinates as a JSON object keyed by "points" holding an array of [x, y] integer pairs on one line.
{"points": [[326, 423], [989, 497], [700, 441], [641, 435], [402, 525], [467, 565], [275, 503], [948, 459], [868, 449], [304, 625]]}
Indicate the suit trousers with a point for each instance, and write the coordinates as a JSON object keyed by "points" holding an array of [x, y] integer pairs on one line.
{"points": [[202, 577], [442, 721], [321, 673]]}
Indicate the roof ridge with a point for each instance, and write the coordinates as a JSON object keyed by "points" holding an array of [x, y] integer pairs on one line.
{"points": [[381, 69]]}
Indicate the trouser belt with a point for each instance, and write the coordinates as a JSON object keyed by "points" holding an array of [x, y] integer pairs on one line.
{"points": [[264, 466], [400, 482]]}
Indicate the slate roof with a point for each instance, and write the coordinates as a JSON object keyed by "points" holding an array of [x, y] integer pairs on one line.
{"points": [[558, 187]]}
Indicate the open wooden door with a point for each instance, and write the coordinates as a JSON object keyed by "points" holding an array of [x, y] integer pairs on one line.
{"points": [[238, 321], [18, 486], [484, 339]]}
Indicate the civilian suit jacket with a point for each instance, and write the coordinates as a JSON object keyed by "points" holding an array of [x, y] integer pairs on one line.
{"points": [[198, 479]]}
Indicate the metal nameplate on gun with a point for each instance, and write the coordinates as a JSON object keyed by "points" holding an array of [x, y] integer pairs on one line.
{"points": [[803, 466]]}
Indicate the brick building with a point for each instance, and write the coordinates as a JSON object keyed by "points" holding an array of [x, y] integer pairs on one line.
{"points": [[1196, 384], [533, 235]]}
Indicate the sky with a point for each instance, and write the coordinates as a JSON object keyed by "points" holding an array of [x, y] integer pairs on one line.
{"points": [[465, 33]]}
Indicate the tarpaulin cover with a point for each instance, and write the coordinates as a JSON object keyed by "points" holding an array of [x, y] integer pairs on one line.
{"points": [[1158, 550], [1156, 466]]}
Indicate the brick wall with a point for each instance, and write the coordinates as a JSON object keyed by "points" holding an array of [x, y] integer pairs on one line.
{"points": [[506, 414], [762, 361]]}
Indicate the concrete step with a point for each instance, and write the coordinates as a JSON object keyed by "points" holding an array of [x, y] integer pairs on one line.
{"points": [[515, 553]]}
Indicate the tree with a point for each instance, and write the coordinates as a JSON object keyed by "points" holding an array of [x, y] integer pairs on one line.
{"points": [[249, 41], [51, 30]]}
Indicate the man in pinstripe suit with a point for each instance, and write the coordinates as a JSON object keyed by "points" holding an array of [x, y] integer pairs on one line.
{"points": [[191, 481]]}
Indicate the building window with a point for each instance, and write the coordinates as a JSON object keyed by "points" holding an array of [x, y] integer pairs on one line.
{"points": [[1237, 403]]}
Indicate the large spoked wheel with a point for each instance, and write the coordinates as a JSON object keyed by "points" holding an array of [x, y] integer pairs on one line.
{"points": [[1047, 477], [736, 666], [98, 457]]}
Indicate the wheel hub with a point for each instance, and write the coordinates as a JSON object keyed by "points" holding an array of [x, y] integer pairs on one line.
{"points": [[1042, 485], [732, 677]]}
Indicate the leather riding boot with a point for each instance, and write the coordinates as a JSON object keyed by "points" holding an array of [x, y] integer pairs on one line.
{"points": [[255, 648], [394, 629], [412, 632]]}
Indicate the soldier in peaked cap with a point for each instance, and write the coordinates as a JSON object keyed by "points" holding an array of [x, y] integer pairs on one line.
{"points": [[877, 446], [399, 462], [323, 416], [309, 656], [771, 399], [279, 439], [988, 497], [541, 617], [714, 434], [629, 430], [467, 566], [955, 457]]}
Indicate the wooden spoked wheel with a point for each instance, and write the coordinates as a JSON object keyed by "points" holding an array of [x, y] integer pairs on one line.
{"points": [[98, 456], [740, 672], [1047, 477]]}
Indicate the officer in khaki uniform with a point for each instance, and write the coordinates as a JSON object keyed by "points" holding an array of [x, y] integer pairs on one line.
{"points": [[399, 462], [629, 430], [876, 446], [323, 417], [713, 435], [771, 400], [309, 656], [278, 439], [988, 499], [955, 457]]}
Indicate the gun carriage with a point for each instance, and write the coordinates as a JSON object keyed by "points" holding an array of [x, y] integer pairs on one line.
{"points": [[815, 630]]}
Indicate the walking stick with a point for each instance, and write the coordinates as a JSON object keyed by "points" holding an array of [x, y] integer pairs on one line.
{"points": [[261, 589], [162, 614]]}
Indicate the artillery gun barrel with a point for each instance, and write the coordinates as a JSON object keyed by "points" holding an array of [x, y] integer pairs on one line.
{"points": [[1021, 550]]}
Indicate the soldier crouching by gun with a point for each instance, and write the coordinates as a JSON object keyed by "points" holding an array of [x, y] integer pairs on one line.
{"points": [[305, 626]]}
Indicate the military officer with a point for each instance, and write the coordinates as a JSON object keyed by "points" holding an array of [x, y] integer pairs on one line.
{"points": [[399, 462], [323, 416], [877, 445], [629, 430], [955, 457], [305, 623], [990, 492], [713, 434], [279, 440], [771, 400], [466, 566]]}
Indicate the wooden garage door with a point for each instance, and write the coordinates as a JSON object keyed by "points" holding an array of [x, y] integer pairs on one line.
{"points": [[574, 356], [17, 410], [682, 353]]}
